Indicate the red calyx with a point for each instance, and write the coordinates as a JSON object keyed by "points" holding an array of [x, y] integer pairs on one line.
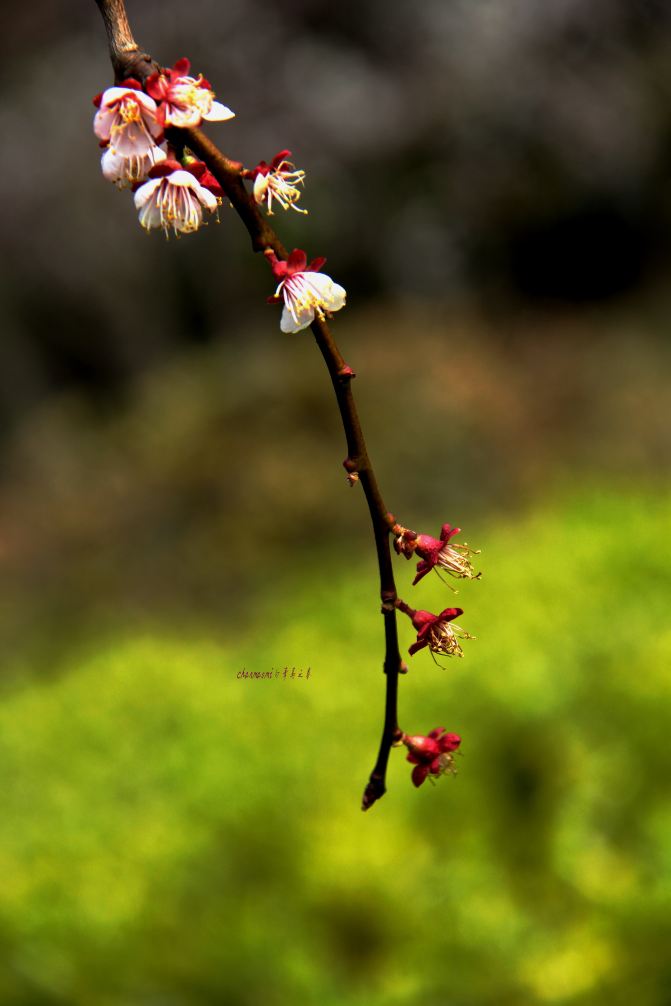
{"points": [[164, 168], [201, 171], [279, 159], [297, 262], [261, 169], [181, 67]]}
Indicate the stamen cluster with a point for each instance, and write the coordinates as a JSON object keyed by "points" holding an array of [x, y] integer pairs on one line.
{"points": [[440, 634]]}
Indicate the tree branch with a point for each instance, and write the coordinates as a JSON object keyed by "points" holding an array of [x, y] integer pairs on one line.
{"points": [[128, 61]]}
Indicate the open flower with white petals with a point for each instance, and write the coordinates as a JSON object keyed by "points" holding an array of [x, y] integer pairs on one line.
{"points": [[173, 199], [133, 169], [184, 101], [126, 121], [278, 180], [307, 293]]}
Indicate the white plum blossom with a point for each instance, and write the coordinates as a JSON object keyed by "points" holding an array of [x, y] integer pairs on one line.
{"points": [[124, 171], [184, 101], [173, 199], [126, 122], [278, 180], [306, 292]]}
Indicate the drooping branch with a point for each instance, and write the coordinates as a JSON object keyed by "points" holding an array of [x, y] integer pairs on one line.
{"points": [[128, 61]]}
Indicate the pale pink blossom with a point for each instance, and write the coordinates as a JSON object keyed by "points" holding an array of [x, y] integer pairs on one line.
{"points": [[184, 101], [173, 199], [278, 180], [126, 121], [306, 292]]}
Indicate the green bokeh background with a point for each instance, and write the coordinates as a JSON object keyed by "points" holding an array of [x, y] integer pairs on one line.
{"points": [[173, 834]]}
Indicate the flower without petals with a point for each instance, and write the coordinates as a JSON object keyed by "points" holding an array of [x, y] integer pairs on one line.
{"points": [[173, 199], [439, 553], [438, 632], [278, 180], [431, 754], [184, 100], [126, 121], [305, 290]]}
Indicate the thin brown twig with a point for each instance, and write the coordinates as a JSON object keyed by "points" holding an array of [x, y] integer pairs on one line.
{"points": [[128, 61]]}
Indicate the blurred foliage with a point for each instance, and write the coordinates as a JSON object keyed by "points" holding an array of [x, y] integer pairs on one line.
{"points": [[172, 834], [183, 499]]}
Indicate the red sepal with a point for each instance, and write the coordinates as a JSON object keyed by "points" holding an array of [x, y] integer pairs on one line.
{"points": [[134, 84], [419, 774], [205, 177], [182, 67], [98, 98], [156, 86], [279, 158], [296, 262], [164, 168]]}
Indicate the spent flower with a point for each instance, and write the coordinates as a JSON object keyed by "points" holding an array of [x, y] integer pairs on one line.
{"points": [[431, 754], [439, 632], [437, 553]]}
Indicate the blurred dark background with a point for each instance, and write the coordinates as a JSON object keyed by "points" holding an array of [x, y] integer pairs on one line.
{"points": [[490, 181], [515, 154]]}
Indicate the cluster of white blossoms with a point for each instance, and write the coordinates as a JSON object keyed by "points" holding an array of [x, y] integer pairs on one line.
{"points": [[174, 195], [130, 124]]}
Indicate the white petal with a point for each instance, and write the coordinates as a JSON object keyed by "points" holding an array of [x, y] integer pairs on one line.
{"points": [[158, 154], [148, 103], [219, 113], [207, 198], [102, 123], [113, 94], [338, 298], [132, 140], [260, 186], [302, 320], [145, 192], [182, 117], [150, 216], [184, 179], [112, 165]]}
